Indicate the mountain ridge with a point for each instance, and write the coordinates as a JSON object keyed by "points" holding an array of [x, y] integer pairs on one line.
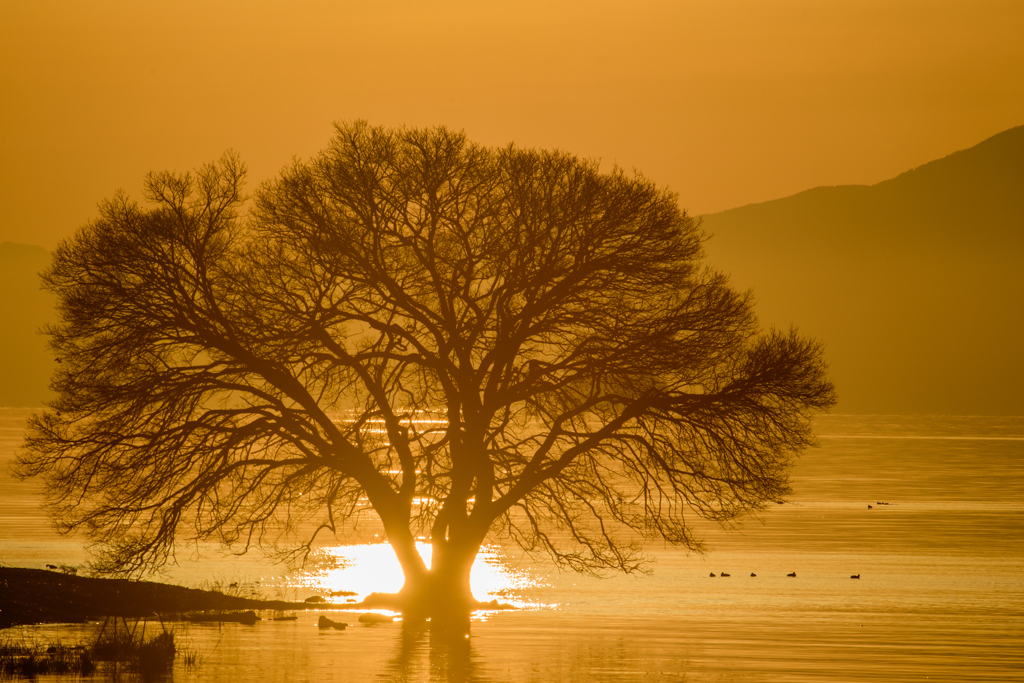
{"points": [[915, 284], [984, 175], [911, 283]]}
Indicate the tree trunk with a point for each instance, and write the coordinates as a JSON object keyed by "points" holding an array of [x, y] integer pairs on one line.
{"points": [[443, 591], [440, 592]]}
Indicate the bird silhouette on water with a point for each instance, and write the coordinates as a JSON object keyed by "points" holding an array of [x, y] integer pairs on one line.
{"points": [[855, 576], [792, 574]]}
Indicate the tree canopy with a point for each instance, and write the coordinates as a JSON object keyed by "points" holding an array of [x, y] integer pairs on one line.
{"points": [[467, 340]]}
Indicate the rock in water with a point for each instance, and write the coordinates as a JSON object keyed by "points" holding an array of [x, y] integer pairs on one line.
{"points": [[324, 622]]}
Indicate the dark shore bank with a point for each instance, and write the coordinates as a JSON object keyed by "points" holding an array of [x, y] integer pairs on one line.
{"points": [[37, 596]]}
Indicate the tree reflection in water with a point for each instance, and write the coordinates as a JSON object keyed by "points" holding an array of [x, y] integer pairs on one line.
{"points": [[448, 647]]}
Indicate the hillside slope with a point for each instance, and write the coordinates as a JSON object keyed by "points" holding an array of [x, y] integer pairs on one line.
{"points": [[916, 284]]}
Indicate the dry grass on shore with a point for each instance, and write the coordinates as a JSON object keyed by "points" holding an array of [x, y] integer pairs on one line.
{"points": [[29, 659], [113, 648]]}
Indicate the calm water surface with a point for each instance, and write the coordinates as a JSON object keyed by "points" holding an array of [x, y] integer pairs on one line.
{"points": [[941, 596]]}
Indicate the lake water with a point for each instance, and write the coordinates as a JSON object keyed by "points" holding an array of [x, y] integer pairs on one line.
{"points": [[940, 598]]}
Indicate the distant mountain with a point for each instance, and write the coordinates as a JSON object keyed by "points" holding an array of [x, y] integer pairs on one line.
{"points": [[916, 284], [25, 361]]}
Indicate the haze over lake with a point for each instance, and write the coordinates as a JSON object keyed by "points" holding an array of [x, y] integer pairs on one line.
{"points": [[938, 552], [941, 595], [856, 166]]}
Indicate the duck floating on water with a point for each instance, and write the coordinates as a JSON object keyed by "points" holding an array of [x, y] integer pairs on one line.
{"points": [[855, 576], [753, 574], [724, 574], [793, 574], [712, 575]]}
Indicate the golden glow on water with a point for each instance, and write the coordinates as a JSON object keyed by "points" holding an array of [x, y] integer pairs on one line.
{"points": [[373, 568], [939, 597]]}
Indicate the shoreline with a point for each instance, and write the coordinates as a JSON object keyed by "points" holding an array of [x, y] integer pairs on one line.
{"points": [[40, 596]]}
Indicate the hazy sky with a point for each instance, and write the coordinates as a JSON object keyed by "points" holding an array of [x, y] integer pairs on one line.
{"points": [[726, 102]]}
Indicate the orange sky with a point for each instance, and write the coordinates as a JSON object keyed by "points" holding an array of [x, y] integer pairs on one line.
{"points": [[725, 101]]}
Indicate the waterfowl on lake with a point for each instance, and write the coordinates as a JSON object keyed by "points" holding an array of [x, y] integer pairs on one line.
{"points": [[793, 574], [855, 576], [724, 574], [712, 575], [753, 574], [870, 506]]}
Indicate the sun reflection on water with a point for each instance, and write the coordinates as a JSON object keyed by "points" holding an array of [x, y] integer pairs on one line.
{"points": [[373, 568]]}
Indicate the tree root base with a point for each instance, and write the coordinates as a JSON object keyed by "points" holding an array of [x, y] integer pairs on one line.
{"points": [[407, 606]]}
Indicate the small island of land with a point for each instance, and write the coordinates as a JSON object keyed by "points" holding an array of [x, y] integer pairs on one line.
{"points": [[37, 596]]}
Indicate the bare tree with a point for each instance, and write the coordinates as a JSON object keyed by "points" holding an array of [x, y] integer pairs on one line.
{"points": [[468, 340]]}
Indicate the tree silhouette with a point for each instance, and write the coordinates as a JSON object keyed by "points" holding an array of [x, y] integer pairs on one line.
{"points": [[468, 340]]}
